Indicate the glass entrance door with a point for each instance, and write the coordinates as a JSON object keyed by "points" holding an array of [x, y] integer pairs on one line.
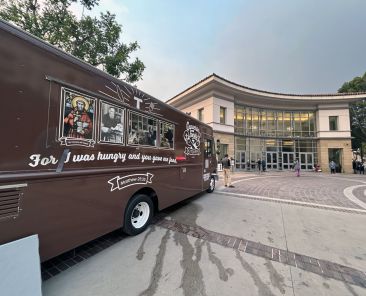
{"points": [[306, 160], [288, 159], [272, 162], [240, 160]]}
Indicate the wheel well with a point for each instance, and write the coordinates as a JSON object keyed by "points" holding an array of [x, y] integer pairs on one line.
{"points": [[152, 194]]}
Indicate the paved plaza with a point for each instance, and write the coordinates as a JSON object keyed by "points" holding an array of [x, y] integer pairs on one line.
{"points": [[272, 234], [310, 189]]}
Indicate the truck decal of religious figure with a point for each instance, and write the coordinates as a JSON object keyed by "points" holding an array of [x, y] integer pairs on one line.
{"points": [[77, 119]]}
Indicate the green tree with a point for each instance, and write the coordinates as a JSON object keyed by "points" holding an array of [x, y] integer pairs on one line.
{"points": [[357, 110], [95, 40]]}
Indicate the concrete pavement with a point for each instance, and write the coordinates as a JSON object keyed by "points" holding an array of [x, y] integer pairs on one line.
{"points": [[247, 240]]}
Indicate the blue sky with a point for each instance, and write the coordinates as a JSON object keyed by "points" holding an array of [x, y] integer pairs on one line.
{"points": [[289, 46]]}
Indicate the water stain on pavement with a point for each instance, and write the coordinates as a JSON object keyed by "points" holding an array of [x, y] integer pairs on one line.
{"points": [[187, 214], [350, 289], [305, 284], [325, 285], [224, 273], [192, 279], [277, 279], [157, 270], [263, 289], [140, 251]]}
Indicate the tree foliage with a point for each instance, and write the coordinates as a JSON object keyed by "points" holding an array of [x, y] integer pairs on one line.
{"points": [[95, 40], [357, 110]]}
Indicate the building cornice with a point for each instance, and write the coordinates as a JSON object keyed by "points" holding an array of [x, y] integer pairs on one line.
{"points": [[243, 93]]}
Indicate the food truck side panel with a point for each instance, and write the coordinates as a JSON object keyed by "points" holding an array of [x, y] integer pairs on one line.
{"points": [[71, 194]]}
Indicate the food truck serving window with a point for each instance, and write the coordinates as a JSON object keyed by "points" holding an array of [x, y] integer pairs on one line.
{"points": [[142, 130], [166, 135]]}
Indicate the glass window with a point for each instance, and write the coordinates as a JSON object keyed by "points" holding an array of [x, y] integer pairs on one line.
{"points": [[271, 120], [255, 121], [296, 124], [249, 121], [333, 123], [142, 130], [263, 122], [273, 123], [111, 124], [239, 120], [297, 121], [223, 150], [200, 114], [208, 148], [287, 126], [279, 123], [222, 115], [166, 135], [305, 124], [312, 124]]}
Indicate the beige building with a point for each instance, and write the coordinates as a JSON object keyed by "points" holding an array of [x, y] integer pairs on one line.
{"points": [[251, 124]]}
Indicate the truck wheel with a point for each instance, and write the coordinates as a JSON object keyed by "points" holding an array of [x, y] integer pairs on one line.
{"points": [[138, 214], [211, 188]]}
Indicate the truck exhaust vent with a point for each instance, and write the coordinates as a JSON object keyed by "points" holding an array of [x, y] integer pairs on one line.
{"points": [[9, 203]]}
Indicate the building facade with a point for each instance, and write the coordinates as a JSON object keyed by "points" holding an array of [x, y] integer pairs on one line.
{"points": [[276, 128]]}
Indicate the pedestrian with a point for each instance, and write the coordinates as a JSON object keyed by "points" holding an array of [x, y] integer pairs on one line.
{"points": [[297, 168], [226, 164], [259, 164], [332, 166], [362, 169], [358, 166], [263, 165], [354, 166]]}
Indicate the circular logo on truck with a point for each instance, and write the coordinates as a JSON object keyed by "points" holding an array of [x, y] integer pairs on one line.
{"points": [[192, 137]]}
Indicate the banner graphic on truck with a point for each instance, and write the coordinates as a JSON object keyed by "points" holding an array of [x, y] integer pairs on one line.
{"points": [[135, 179], [192, 137]]}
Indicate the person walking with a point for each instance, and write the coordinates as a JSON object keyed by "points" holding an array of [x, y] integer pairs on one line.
{"points": [[259, 164], [226, 164], [332, 166], [362, 168], [263, 165], [354, 167], [297, 168]]}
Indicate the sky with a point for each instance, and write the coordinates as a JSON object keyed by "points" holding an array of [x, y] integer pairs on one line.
{"points": [[287, 46]]}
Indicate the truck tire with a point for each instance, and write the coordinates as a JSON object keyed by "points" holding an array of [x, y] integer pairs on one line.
{"points": [[212, 185], [138, 214]]}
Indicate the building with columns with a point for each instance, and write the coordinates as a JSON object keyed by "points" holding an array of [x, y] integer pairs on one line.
{"points": [[251, 124]]}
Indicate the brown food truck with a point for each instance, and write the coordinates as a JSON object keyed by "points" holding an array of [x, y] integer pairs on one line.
{"points": [[83, 153]]}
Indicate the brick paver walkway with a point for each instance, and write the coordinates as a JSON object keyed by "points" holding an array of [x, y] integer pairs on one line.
{"points": [[313, 188]]}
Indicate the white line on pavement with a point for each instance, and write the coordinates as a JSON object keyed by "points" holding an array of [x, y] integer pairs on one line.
{"points": [[343, 179], [348, 193], [289, 201], [241, 180]]}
